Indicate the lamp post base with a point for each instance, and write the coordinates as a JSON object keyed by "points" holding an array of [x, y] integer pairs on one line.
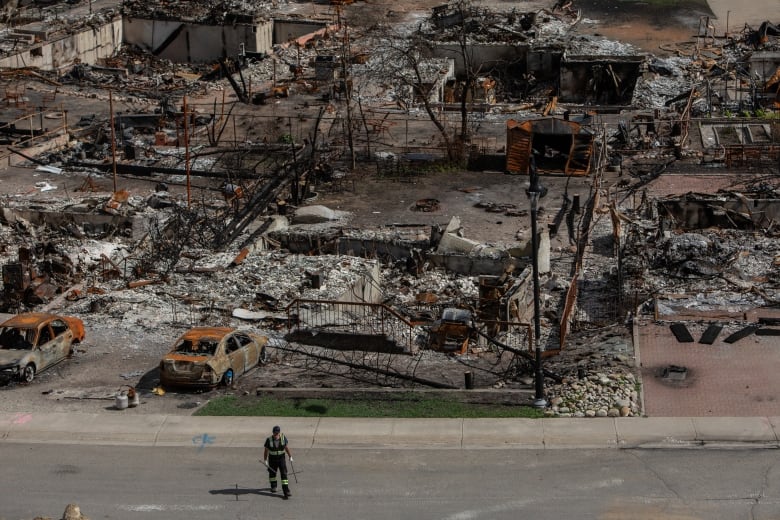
{"points": [[540, 403]]}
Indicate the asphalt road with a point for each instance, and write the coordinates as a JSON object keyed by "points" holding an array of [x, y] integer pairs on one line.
{"points": [[210, 482]]}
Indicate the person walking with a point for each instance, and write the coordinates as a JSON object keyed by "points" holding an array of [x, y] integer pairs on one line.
{"points": [[274, 456]]}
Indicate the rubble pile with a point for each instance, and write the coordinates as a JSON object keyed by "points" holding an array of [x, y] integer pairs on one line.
{"points": [[484, 25], [208, 288], [178, 276], [199, 11], [708, 270], [665, 79], [404, 290], [136, 77]]}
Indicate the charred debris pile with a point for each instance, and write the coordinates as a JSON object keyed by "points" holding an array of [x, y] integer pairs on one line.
{"points": [[163, 252]]}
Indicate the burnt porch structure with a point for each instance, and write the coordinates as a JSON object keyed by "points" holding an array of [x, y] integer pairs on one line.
{"points": [[558, 145]]}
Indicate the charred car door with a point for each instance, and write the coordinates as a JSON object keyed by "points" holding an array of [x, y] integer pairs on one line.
{"points": [[250, 348], [63, 336], [235, 355], [48, 346]]}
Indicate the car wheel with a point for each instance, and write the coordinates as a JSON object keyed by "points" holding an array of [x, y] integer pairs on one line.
{"points": [[28, 374], [263, 356], [227, 379]]}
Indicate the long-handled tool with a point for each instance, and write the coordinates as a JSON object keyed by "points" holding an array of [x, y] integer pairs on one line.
{"points": [[292, 468], [267, 466], [293, 471]]}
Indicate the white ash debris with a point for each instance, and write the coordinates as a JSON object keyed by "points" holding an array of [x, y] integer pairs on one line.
{"points": [[175, 157], [585, 45], [390, 234], [286, 277], [404, 288], [709, 302], [317, 214], [717, 265], [205, 261], [89, 254], [551, 28], [666, 79], [211, 296], [653, 93]]}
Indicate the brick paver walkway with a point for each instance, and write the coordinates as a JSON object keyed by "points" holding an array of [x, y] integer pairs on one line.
{"points": [[741, 379]]}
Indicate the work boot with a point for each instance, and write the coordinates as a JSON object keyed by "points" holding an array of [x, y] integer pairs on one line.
{"points": [[273, 489], [287, 492]]}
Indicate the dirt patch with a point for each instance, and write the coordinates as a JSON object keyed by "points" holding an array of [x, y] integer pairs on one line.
{"points": [[643, 25]]}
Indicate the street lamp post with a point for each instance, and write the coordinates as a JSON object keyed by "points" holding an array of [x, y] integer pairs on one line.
{"points": [[535, 192]]}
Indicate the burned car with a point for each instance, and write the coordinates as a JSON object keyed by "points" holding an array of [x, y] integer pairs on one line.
{"points": [[32, 342], [209, 356]]}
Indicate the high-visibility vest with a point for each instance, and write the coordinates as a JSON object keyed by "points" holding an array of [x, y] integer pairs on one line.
{"points": [[282, 444]]}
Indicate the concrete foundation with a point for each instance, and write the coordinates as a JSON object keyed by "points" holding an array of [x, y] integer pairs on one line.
{"points": [[87, 46], [90, 224], [191, 42]]}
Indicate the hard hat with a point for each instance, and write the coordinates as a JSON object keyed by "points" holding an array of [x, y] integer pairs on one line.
{"points": [[276, 429]]}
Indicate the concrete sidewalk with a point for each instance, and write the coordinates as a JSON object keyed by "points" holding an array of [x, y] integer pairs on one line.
{"points": [[313, 433]]}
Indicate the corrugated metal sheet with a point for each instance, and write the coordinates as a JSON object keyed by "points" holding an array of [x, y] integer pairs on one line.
{"points": [[579, 155], [520, 136], [518, 145]]}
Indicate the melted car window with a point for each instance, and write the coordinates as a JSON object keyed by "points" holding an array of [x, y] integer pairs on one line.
{"points": [[207, 346], [232, 345], [184, 347], [12, 338], [59, 327], [203, 347], [45, 336]]}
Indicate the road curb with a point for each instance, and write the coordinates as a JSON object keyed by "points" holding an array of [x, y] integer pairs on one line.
{"points": [[360, 433]]}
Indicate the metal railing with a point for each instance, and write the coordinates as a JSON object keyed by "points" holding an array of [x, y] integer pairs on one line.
{"points": [[31, 130], [352, 318]]}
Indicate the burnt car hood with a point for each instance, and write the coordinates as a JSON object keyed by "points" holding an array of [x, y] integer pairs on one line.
{"points": [[11, 357]]}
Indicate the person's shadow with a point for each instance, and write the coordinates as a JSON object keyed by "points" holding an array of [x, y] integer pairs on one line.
{"points": [[240, 491]]}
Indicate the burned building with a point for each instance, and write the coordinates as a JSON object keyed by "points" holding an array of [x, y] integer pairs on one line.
{"points": [[746, 211], [56, 45], [285, 140], [557, 146], [603, 81], [184, 41]]}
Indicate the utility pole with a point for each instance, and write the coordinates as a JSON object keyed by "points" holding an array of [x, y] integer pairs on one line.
{"points": [[535, 192], [345, 56], [113, 135], [297, 196], [186, 150]]}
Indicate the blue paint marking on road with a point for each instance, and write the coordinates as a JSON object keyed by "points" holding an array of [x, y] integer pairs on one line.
{"points": [[202, 440]]}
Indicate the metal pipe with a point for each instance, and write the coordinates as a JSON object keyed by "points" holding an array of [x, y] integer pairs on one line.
{"points": [[533, 193], [186, 151]]}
